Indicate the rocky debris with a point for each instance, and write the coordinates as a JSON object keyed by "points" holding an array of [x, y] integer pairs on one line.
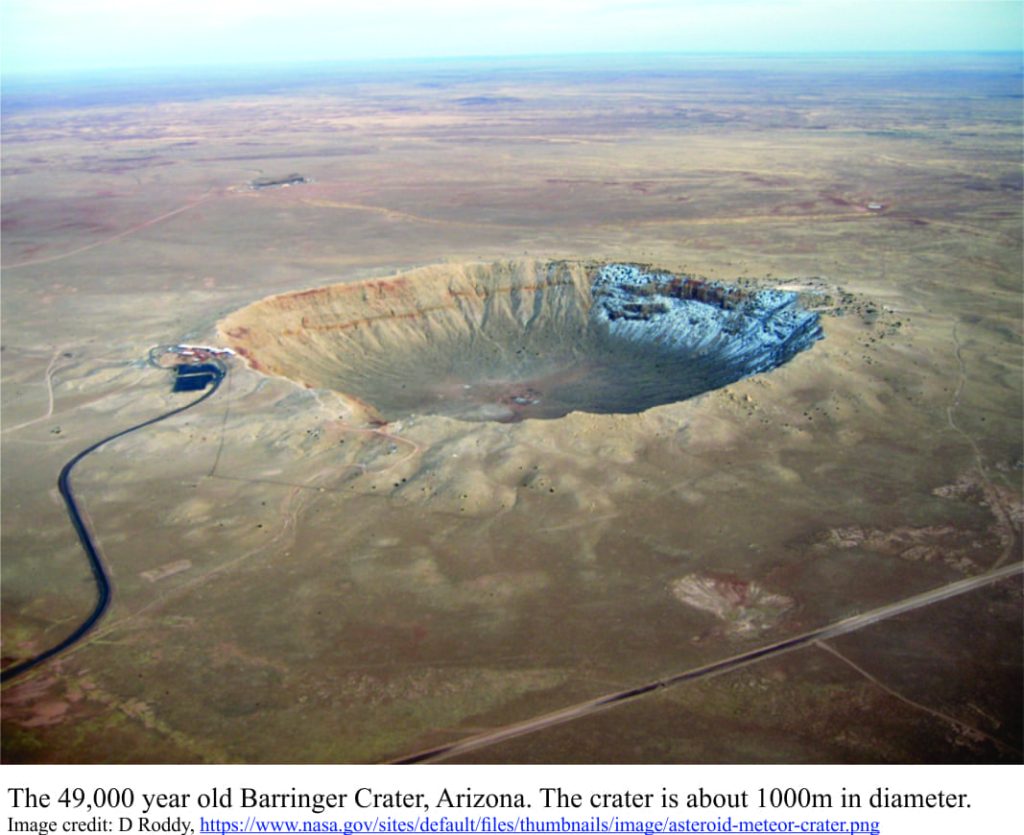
{"points": [[43, 701], [744, 606], [963, 550], [931, 543], [1005, 505], [972, 487]]}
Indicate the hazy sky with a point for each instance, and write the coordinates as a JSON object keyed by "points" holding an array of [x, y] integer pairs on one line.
{"points": [[44, 35]]}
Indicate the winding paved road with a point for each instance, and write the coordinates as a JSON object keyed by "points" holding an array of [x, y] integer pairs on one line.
{"points": [[95, 562]]}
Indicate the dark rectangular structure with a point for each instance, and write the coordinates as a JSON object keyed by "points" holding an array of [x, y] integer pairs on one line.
{"points": [[195, 377]]}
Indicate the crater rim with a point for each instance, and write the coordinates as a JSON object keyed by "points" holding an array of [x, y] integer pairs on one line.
{"points": [[521, 339]]}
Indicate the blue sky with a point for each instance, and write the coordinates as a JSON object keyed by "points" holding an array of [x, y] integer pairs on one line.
{"points": [[57, 35]]}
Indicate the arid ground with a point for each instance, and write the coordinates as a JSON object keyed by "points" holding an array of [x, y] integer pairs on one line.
{"points": [[294, 581]]}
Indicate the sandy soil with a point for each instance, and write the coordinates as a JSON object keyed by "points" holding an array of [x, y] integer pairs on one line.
{"points": [[293, 582]]}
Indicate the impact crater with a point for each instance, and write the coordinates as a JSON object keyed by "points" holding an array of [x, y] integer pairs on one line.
{"points": [[521, 339]]}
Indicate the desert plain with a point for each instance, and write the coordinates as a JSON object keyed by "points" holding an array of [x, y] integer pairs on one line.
{"points": [[298, 579]]}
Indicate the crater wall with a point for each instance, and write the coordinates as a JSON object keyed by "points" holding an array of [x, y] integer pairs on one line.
{"points": [[520, 339]]}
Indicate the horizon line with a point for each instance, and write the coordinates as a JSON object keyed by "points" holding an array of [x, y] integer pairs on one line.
{"points": [[298, 63]]}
